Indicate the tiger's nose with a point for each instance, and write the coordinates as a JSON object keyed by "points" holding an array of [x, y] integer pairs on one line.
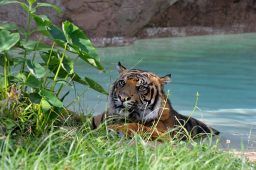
{"points": [[124, 98]]}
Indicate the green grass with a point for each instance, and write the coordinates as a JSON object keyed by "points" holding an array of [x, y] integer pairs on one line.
{"points": [[31, 103], [86, 149]]}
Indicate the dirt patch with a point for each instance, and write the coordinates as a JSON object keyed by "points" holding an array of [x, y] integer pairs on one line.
{"points": [[251, 156]]}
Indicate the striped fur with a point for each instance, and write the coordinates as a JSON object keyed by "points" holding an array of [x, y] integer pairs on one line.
{"points": [[139, 96]]}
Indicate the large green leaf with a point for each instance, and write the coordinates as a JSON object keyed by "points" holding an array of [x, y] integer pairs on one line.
{"points": [[33, 82], [81, 44], [8, 40], [86, 57], [21, 77], [5, 2], [94, 85], [31, 2], [76, 37], [49, 29], [12, 60], [33, 45], [56, 34], [67, 70], [36, 69], [22, 4], [51, 98], [26, 8], [78, 42], [45, 105], [53, 60], [8, 26], [42, 22], [89, 82], [34, 97]]}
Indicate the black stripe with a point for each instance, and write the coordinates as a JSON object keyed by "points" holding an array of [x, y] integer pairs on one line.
{"points": [[141, 100], [152, 93], [156, 99]]}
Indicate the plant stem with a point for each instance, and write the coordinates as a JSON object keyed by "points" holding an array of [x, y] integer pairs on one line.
{"points": [[39, 119], [27, 34], [49, 59], [28, 24], [24, 63], [58, 70], [6, 83], [48, 62], [61, 87], [58, 93]]}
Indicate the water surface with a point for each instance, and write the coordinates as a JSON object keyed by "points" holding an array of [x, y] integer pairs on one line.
{"points": [[221, 68]]}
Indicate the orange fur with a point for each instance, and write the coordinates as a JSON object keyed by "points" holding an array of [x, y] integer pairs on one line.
{"points": [[129, 129], [139, 96]]}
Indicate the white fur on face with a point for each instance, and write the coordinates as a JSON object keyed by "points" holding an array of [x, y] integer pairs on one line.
{"points": [[143, 111], [144, 115], [150, 115]]}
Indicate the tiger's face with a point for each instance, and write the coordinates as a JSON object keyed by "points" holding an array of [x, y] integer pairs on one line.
{"points": [[137, 94]]}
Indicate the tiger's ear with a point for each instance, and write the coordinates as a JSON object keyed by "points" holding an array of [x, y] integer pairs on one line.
{"points": [[165, 79], [120, 67]]}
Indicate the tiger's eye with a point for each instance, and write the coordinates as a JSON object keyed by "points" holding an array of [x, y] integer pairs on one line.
{"points": [[142, 88], [121, 83]]}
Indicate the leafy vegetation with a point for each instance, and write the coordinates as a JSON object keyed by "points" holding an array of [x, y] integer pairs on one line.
{"points": [[35, 78], [35, 75]]}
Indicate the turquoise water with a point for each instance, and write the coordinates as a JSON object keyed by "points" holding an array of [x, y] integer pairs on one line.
{"points": [[221, 68]]}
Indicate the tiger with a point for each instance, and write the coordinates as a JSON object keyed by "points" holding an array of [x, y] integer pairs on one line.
{"points": [[139, 96]]}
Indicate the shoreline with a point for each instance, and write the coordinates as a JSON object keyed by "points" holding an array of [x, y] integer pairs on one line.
{"points": [[168, 32]]}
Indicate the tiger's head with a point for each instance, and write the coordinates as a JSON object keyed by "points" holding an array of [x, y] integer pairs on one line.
{"points": [[137, 94]]}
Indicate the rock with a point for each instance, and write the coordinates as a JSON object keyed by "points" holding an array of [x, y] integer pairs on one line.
{"points": [[14, 13], [182, 31], [113, 18], [227, 16], [114, 41], [114, 22]]}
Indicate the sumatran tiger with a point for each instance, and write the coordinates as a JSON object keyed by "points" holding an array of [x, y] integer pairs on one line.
{"points": [[138, 96]]}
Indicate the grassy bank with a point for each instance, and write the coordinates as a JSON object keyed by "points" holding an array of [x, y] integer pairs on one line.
{"points": [[81, 148], [35, 79]]}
